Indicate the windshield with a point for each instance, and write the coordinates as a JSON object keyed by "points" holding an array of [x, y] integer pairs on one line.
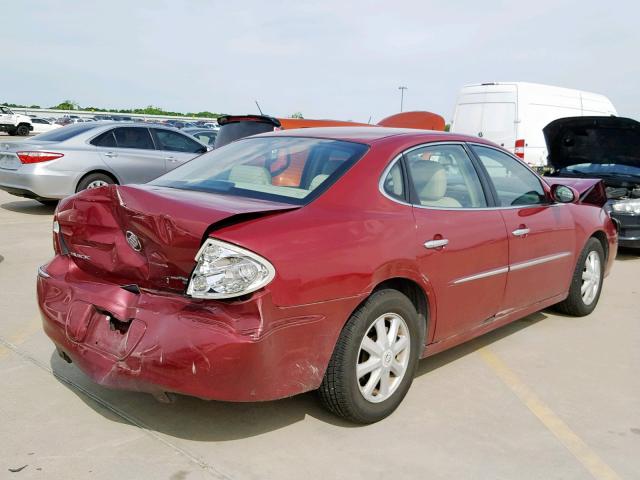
{"points": [[283, 169], [602, 169], [65, 133], [233, 131]]}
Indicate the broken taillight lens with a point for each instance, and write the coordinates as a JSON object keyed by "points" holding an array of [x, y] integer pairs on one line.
{"points": [[38, 157]]}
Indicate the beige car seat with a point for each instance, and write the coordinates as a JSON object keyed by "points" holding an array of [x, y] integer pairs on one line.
{"points": [[250, 174], [430, 179]]}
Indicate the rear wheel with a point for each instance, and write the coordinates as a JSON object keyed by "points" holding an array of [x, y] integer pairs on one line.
{"points": [[586, 283], [374, 360], [94, 180], [22, 130]]}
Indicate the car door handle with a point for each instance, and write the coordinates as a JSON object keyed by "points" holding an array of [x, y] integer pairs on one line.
{"points": [[110, 154], [436, 243], [521, 232], [171, 159]]}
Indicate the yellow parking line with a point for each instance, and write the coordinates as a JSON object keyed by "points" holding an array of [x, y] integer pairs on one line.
{"points": [[21, 336], [579, 449]]}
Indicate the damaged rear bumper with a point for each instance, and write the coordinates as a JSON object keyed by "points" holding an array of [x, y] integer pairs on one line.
{"points": [[158, 342]]}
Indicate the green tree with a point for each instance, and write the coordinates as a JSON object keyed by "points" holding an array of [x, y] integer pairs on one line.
{"points": [[297, 115], [67, 105]]}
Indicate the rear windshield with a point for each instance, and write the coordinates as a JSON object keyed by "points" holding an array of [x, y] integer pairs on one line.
{"points": [[283, 169], [65, 133], [233, 131]]}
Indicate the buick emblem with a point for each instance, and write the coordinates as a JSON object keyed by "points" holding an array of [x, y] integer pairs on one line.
{"points": [[133, 241]]}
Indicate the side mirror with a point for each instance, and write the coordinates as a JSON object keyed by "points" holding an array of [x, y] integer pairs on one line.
{"points": [[564, 194]]}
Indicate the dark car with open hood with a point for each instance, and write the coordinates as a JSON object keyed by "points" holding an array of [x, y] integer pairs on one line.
{"points": [[607, 148]]}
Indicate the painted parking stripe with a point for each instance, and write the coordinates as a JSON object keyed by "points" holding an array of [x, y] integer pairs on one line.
{"points": [[580, 450]]}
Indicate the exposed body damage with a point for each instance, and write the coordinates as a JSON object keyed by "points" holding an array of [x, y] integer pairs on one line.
{"points": [[241, 351], [592, 191]]}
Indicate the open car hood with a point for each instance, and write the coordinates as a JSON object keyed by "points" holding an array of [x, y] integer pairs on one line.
{"points": [[605, 140]]}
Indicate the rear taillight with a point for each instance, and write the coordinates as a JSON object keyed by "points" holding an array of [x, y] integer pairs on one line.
{"points": [[519, 151], [56, 232], [37, 157]]}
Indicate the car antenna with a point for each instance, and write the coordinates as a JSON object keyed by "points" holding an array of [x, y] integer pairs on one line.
{"points": [[258, 105]]}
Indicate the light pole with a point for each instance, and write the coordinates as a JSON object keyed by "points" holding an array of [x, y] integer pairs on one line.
{"points": [[402, 89]]}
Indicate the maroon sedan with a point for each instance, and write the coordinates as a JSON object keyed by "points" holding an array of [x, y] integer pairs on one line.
{"points": [[329, 259]]}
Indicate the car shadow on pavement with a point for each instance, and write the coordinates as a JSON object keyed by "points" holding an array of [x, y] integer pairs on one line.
{"points": [[625, 254], [211, 421], [30, 207], [441, 359]]}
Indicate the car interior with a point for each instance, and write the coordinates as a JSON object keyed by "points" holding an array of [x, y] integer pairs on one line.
{"points": [[443, 176]]}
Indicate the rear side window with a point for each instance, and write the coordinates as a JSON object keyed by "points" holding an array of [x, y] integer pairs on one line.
{"points": [[132, 137], [515, 184], [393, 184], [62, 134], [107, 139], [233, 131], [176, 142]]}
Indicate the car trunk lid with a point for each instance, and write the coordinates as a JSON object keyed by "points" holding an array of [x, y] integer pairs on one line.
{"points": [[147, 235]]}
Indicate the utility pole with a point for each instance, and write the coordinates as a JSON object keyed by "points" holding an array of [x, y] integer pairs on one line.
{"points": [[402, 89]]}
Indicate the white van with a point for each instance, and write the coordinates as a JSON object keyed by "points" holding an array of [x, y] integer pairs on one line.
{"points": [[513, 114]]}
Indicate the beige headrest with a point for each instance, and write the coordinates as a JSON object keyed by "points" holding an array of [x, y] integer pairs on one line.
{"points": [[317, 180], [250, 174], [430, 179]]}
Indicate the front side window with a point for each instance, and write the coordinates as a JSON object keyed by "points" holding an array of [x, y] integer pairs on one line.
{"points": [[132, 137], [515, 184], [285, 169], [444, 176], [176, 142], [206, 137]]}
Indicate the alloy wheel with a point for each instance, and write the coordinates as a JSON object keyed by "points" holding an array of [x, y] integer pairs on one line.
{"points": [[96, 184], [590, 278], [383, 357]]}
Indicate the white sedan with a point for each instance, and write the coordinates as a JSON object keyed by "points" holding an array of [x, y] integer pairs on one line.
{"points": [[41, 125]]}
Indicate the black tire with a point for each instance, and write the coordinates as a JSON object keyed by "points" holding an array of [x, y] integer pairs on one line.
{"points": [[340, 390], [92, 178], [574, 303], [22, 130], [47, 202]]}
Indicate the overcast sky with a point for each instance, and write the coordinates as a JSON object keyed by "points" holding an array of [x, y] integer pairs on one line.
{"points": [[326, 59]]}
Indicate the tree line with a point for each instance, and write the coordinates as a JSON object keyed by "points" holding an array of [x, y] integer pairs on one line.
{"points": [[149, 110]]}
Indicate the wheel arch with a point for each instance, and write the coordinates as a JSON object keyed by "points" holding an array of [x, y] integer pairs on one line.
{"points": [[415, 293], [100, 171], [602, 238]]}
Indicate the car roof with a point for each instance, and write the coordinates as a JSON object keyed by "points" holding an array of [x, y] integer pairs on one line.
{"points": [[369, 135]]}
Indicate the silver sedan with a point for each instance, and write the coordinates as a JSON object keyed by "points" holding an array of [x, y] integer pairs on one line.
{"points": [[62, 162]]}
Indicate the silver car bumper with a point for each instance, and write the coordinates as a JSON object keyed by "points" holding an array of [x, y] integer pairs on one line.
{"points": [[38, 181]]}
